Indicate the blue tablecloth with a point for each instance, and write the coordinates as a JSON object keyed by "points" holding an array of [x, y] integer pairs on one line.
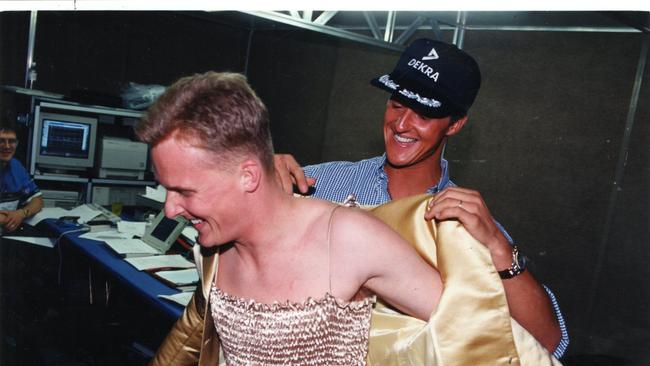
{"points": [[142, 283]]}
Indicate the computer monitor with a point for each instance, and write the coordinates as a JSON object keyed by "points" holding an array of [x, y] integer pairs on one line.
{"points": [[65, 142]]}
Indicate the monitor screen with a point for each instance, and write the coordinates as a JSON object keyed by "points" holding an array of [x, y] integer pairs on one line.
{"points": [[64, 138], [164, 231], [65, 142]]}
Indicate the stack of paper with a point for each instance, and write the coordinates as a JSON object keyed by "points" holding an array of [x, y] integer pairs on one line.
{"points": [[131, 247], [180, 277], [160, 261]]}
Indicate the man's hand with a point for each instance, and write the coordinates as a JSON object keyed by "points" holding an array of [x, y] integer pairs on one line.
{"points": [[528, 302], [289, 173], [11, 220], [468, 207]]}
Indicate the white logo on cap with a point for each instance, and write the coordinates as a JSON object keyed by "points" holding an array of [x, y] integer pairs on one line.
{"points": [[429, 102], [433, 55]]}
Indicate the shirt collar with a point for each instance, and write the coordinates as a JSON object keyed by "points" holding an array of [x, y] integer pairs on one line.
{"points": [[439, 186]]}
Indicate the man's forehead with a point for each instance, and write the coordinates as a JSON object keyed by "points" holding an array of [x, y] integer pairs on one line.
{"points": [[394, 101], [5, 133]]}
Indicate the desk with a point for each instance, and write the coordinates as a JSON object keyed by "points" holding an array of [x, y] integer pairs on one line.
{"points": [[142, 283]]}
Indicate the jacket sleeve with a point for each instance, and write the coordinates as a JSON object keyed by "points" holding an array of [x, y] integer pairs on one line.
{"points": [[471, 324], [183, 342]]}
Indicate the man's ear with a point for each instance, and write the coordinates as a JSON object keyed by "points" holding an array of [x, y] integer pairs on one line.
{"points": [[455, 127], [250, 175]]}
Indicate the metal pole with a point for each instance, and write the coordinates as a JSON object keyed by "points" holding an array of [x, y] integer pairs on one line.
{"points": [[372, 24], [459, 31], [29, 79], [617, 185], [410, 30], [248, 50], [390, 26]]}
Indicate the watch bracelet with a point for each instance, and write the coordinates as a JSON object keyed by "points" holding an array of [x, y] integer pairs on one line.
{"points": [[517, 267]]}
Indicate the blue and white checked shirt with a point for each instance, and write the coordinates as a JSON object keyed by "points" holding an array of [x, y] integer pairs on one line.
{"points": [[368, 182]]}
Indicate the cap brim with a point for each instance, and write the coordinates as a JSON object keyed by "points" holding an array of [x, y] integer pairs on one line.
{"points": [[431, 106]]}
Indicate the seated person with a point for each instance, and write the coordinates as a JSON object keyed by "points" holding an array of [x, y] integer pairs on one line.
{"points": [[290, 280], [19, 195]]}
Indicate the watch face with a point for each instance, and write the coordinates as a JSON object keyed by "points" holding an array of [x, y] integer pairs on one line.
{"points": [[521, 260]]}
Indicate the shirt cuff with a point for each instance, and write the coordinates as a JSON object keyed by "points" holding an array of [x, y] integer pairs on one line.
{"points": [[564, 340]]}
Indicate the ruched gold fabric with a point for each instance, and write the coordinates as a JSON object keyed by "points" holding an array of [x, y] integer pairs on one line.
{"points": [[328, 331], [471, 325]]}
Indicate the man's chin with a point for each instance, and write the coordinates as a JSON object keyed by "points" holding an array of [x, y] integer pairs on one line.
{"points": [[209, 243], [398, 163]]}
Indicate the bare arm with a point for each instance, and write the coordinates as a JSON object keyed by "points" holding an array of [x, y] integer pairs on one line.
{"points": [[289, 173], [12, 219], [528, 302], [383, 262]]}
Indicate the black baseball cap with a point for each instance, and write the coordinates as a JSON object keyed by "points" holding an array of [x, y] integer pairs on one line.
{"points": [[434, 78]]}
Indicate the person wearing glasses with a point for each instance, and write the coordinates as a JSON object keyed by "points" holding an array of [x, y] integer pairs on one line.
{"points": [[20, 198]]}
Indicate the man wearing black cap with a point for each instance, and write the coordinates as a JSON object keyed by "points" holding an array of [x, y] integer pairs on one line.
{"points": [[432, 88]]}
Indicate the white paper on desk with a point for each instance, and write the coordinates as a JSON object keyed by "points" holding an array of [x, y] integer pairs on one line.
{"points": [[47, 213], [106, 234], [132, 227], [44, 242], [85, 213], [157, 194], [182, 298], [180, 277], [160, 261], [128, 247]]}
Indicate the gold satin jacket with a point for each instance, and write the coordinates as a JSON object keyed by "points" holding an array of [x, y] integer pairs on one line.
{"points": [[471, 325]]}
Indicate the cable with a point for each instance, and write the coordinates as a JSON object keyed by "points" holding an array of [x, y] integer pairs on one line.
{"points": [[84, 228]]}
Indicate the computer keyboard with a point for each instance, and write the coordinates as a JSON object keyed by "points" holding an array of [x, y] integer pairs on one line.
{"points": [[107, 215]]}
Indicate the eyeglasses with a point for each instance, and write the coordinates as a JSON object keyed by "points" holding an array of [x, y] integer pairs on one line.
{"points": [[10, 142]]}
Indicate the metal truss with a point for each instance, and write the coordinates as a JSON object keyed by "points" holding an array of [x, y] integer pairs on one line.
{"points": [[383, 29]]}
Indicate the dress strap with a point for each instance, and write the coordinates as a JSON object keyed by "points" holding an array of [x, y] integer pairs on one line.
{"points": [[329, 229]]}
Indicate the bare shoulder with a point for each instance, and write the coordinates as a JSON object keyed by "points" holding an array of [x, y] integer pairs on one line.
{"points": [[357, 218], [356, 228], [349, 228]]}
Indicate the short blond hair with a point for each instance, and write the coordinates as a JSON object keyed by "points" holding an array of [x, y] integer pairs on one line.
{"points": [[219, 112]]}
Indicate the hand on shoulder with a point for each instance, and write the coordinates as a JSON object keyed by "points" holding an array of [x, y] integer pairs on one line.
{"points": [[289, 173]]}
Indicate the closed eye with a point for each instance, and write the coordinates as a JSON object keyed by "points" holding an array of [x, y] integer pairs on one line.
{"points": [[185, 193]]}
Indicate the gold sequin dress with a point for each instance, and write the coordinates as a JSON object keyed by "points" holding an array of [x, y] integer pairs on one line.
{"points": [[328, 331], [317, 332]]}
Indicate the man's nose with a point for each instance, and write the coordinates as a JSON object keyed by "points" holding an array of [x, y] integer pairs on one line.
{"points": [[404, 120], [172, 207]]}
